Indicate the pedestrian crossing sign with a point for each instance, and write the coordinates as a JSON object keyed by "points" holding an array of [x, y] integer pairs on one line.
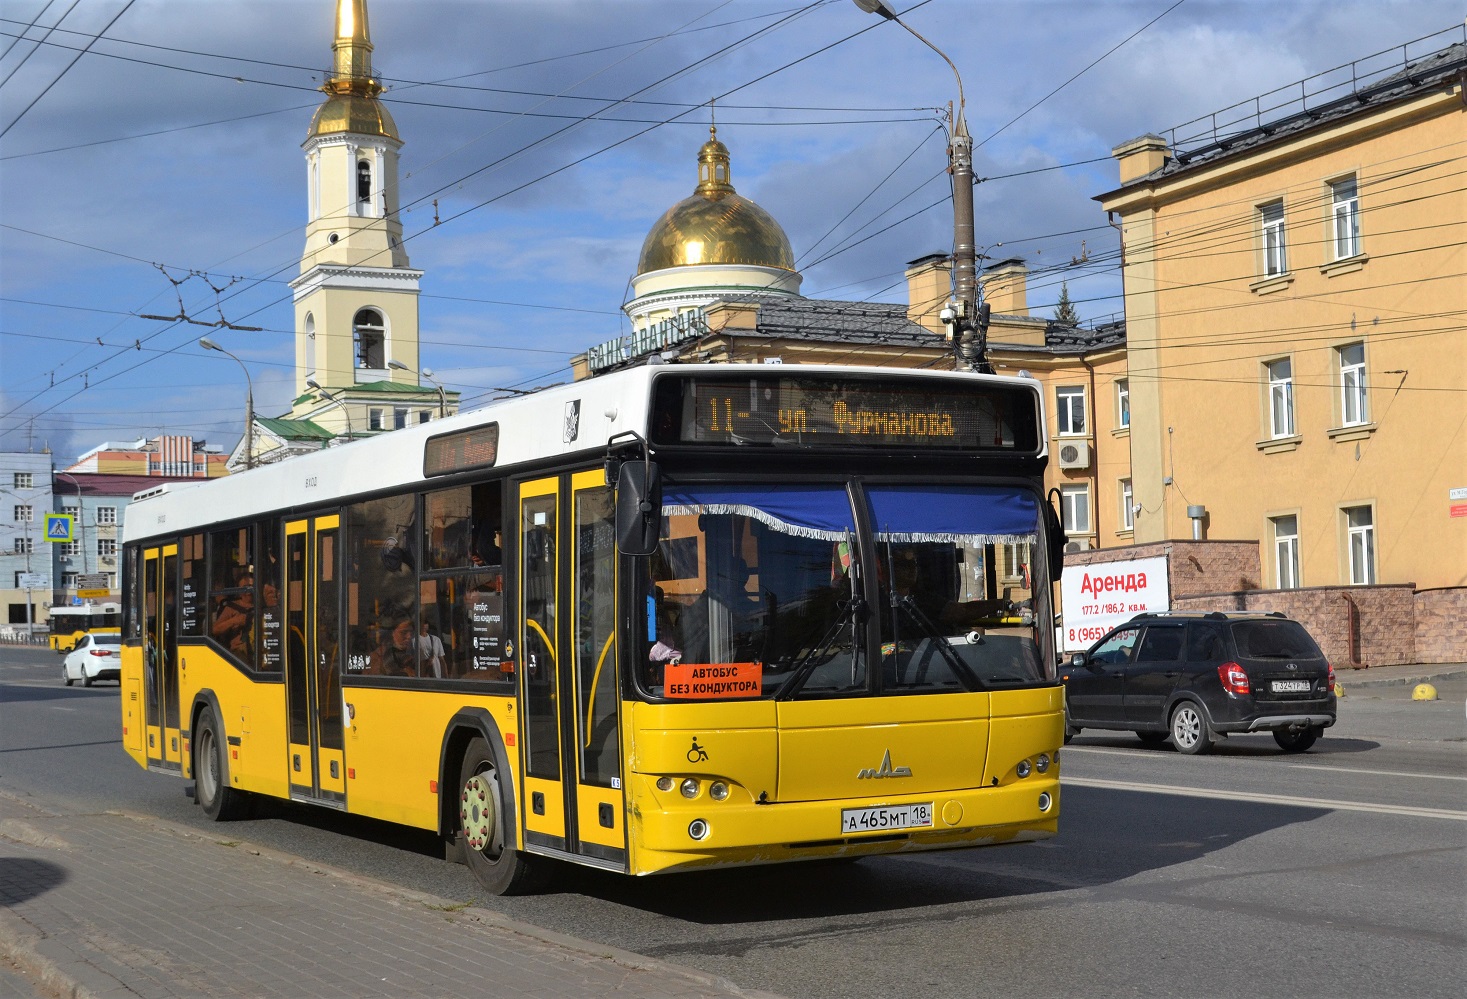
{"points": [[58, 526]]}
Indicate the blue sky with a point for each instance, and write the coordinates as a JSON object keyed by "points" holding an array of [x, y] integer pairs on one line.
{"points": [[175, 141]]}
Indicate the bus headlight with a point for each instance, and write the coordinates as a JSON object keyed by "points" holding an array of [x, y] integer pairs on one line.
{"points": [[690, 788], [664, 783], [1023, 768], [718, 790], [1045, 801], [698, 829], [1042, 764]]}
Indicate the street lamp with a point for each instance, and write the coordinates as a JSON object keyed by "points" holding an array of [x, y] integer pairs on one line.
{"points": [[208, 344], [971, 349], [428, 374], [312, 383], [81, 520]]}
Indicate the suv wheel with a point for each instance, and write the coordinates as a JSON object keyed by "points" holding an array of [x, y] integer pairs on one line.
{"points": [[1191, 733], [1296, 740]]}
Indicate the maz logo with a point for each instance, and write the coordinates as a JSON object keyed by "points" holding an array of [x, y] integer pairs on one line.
{"points": [[885, 770]]}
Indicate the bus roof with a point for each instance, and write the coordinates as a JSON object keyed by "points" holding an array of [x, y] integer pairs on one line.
{"points": [[532, 428]]}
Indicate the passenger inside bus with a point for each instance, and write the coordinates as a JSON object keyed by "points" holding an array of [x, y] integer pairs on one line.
{"points": [[396, 655], [234, 618]]}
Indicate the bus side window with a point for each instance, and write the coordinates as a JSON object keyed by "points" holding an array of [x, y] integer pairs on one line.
{"points": [[446, 517], [487, 532]]}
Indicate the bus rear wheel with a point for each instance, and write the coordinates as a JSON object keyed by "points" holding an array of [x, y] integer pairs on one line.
{"points": [[220, 802], [485, 836]]}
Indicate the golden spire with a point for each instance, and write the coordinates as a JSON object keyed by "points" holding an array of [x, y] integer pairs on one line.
{"points": [[715, 179], [352, 51]]}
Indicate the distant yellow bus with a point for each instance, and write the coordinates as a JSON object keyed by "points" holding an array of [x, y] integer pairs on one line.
{"points": [[69, 624], [673, 618]]}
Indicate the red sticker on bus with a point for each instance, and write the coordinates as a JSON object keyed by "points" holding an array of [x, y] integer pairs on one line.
{"points": [[702, 681]]}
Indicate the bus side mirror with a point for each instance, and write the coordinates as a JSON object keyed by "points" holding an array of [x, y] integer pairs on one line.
{"points": [[1055, 535], [638, 507]]}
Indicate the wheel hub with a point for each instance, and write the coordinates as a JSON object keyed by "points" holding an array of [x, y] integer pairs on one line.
{"points": [[477, 811]]}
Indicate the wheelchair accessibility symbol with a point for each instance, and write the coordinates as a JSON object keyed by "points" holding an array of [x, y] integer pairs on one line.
{"points": [[697, 754]]}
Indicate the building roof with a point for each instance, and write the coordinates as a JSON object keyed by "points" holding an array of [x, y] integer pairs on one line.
{"points": [[102, 484], [294, 430], [1337, 97]]}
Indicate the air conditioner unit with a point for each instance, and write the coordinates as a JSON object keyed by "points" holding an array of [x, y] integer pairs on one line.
{"points": [[1075, 546], [107, 559], [1074, 454]]}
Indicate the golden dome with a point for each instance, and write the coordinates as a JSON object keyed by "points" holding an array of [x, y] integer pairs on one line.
{"points": [[715, 225], [352, 113], [351, 104]]}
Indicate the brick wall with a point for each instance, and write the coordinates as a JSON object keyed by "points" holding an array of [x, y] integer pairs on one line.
{"points": [[1192, 566], [1441, 625], [1354, 625]]}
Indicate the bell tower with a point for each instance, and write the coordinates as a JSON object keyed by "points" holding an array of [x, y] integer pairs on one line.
{"points": [[356, 300]]}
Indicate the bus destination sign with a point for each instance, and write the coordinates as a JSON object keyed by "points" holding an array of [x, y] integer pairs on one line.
{"points": [[845, 412]]}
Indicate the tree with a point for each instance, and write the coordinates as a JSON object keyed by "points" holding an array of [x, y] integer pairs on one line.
{"points": [[1064, 311]]}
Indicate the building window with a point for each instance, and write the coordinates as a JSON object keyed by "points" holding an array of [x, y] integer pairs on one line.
{"points": [[22, 546], [1353, 408], [1286, 551], [1075, 508], [68, 580], [23, 514], [107, 547], [1015, 564], [375, 419], [1281, 397], [1128, 506], [1360, 532], [1346, 218], [369, 335], [1070, 408], [24, 480], [106, 514], [1275, 259], [364, 181], [1123, 402], [424, 415], [399, 419], [71, 548]]}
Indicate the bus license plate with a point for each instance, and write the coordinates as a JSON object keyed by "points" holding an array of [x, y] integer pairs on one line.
{"points": [[1290, 686], [859, 820]]}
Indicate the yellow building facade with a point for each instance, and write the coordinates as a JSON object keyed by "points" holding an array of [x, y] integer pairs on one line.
{"points": [[1296, 358]]}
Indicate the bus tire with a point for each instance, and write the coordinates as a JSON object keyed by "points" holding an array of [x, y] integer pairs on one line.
{"points": [[212, 792], [486, 841]]}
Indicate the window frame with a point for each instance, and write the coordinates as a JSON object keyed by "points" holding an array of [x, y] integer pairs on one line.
{"points": [[1280, 386], [1354, 386], [1070, 493], [106, 515], [1128, 502], [22, 545], [25, 513], [1273, 238], [1344, 207], [1123, 403], [1069, 404], [1285, 542], [24, 480], [1365, 574]]}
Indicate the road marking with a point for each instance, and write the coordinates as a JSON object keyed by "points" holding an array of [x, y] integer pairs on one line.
{"points": [[1382, 773], [1268, 799]]}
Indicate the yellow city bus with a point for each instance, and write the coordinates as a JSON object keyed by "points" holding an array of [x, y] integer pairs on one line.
{"points": [[69, 624], [672, 618]]}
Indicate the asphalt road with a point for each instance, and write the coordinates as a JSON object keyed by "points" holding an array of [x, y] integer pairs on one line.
{"points": [[1339, 872]]}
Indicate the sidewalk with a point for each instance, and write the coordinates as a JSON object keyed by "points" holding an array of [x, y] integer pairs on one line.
{"points": [[1408, 673], [114, 905]]}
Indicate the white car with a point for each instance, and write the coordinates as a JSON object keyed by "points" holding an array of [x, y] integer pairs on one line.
{"points": [[95, 657]]}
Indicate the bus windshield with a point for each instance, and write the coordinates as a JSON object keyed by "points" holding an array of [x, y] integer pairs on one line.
{"points": [[767, 592]]}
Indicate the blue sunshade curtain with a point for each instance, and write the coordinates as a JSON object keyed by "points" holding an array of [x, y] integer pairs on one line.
{"points": [[969, 515], [805, 511]]}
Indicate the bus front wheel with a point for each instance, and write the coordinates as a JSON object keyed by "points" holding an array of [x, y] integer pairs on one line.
{"points": [[212, 792], [485, 835]]}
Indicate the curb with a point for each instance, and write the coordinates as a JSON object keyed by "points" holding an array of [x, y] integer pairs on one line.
{"points": [[1400, 681], [449, 909]]}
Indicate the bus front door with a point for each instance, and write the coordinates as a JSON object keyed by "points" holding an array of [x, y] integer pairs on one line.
{"points": [[570, 697], [316, 762], [160, 658]]}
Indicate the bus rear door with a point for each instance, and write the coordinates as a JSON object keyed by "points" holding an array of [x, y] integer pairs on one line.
{"points": [[316, 758], [573, 801], [160, 657]]}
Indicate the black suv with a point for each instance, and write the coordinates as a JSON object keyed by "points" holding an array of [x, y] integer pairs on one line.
{"points": [[1195, 676]]}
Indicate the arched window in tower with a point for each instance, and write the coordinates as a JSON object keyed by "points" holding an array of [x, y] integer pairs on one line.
{"points": [[364, 182], [310, 332], [369, 335]]}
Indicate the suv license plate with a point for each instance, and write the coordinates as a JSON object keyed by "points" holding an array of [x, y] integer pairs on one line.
{"points": [[1290, 686], [859, 820]]}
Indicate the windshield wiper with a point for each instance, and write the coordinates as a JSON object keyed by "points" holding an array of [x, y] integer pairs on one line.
{"points": [[852, 610], [959, 668]]}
